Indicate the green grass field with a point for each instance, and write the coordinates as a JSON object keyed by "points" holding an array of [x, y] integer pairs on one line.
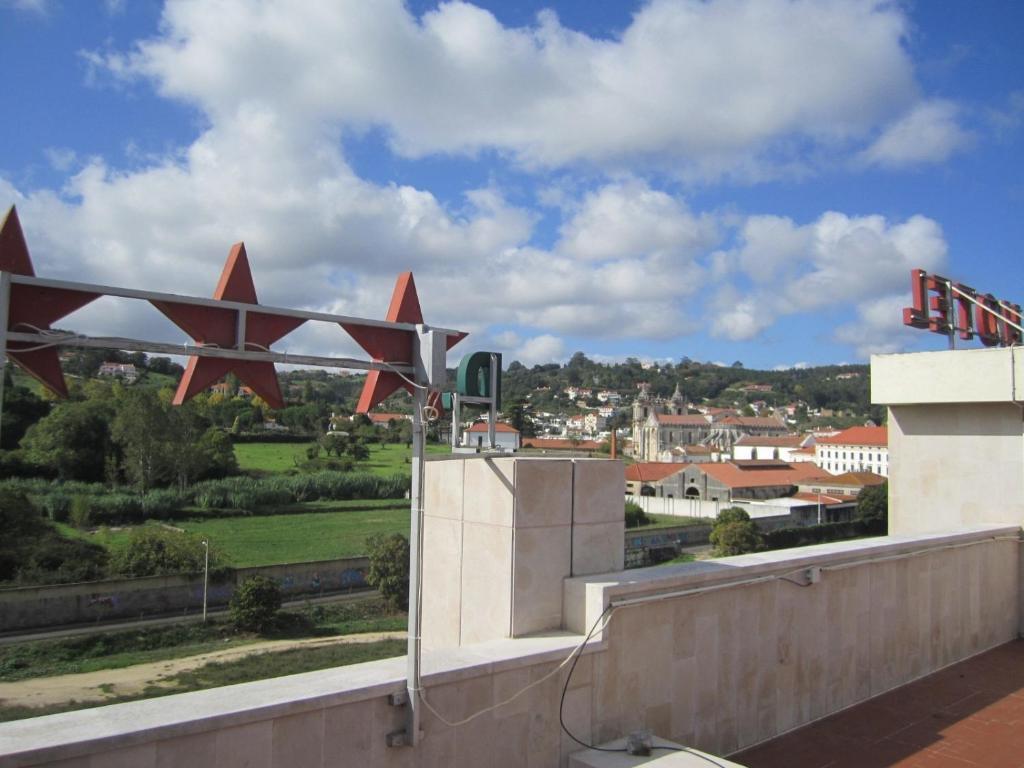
{"points": [[325, 531], [269, 457], [296, 538], [385, 460]]}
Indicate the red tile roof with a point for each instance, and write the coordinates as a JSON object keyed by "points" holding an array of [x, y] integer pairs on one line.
{"points": [[652, 471], [681, 421], [481, 426], [698, 450], [753, 476], [753, 421], [384, 418], [859, 436], [560, 445], [826, 499], [780, 441], [849, 479]]}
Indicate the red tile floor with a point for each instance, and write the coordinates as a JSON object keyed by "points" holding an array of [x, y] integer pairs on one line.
{"points": [[970, 714]]}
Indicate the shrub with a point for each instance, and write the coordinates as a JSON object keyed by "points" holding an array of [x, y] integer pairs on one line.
{"points": [[873, 503], [115, 508], [389, 568], [736, 538], [163, 503], [255, 604], [635, 515], [57, 506], [32, 551], [734, 533], [784, 538], [155, 551], [80, 512]]}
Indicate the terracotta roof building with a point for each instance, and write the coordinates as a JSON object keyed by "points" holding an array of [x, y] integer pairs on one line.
{"points": [[731, 480], [506, 436]]}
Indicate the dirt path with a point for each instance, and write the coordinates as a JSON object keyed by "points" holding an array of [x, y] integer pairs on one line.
{"points": [[109, 683]]}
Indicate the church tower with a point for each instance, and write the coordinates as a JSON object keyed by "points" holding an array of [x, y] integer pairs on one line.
{"points": [[677, 405], [641, 410]]}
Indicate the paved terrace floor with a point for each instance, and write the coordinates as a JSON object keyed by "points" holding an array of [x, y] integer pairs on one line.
{"points": [[969, 714]]}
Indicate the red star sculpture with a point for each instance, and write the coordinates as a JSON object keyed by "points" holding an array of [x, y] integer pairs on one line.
{"points": [[391, 345], [211, 325], [33, 308]]}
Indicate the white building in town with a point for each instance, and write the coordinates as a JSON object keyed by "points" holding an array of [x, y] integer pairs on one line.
{"points": [[857, 449]]}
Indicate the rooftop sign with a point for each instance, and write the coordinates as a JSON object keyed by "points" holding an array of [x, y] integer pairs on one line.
{"points": [[942, 306]]}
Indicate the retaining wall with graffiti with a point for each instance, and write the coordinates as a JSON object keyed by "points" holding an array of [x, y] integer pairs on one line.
{"points": [[24, 608]]}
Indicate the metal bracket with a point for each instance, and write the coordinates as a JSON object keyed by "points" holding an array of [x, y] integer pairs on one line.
{"points": [[399, 699], [397, 739]]}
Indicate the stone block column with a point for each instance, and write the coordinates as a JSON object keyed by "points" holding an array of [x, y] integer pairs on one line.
{"points": [[501, 534]]}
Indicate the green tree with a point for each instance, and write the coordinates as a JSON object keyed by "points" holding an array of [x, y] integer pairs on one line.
{"points": [[32, 551], [255, 604], [142, 429], [873, 503], [73, 439], [734, 533], [357, 449], [389, 568], [334, 443], [635, 515], [22, 408]]}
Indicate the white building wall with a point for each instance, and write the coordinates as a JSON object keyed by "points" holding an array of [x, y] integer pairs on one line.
{"points": [[838, 459]]}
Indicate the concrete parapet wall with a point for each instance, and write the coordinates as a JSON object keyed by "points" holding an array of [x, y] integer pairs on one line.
{"points": [[750, 656], [23, 608]]}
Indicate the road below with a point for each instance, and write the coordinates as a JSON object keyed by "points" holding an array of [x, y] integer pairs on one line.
{"points": [[97, 687], [7, 638]]}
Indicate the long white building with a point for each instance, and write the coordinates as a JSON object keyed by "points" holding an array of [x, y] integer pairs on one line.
{"points": [[857, 449]]}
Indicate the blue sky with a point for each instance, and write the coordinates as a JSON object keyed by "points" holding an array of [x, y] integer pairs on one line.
{"points": [[725, 180]]}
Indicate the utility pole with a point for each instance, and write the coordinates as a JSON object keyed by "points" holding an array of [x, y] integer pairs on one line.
{"points": [[206, 574]]}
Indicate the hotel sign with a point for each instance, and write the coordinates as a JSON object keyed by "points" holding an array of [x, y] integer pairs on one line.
{"points": [[943, 306]]}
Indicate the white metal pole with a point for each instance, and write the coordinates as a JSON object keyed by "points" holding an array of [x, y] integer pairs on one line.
{"points": [[206, 574], [5, 303], [415, 569], [492, 392], [456, 436]]}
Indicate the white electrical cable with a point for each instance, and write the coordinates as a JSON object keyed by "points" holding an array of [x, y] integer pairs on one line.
{"points": [[517, 694], [57, 336], [402, 376], [917, 552]]}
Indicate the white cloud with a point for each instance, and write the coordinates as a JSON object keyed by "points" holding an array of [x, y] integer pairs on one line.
{"points": [[718, 86], [538, 350], [738, 318], [707, 86], [632, 220], [41, 7], [833, 262], [928, 133], [879, 327], [60, 158]]}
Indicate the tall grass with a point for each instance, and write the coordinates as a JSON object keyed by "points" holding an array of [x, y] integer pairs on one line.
{"points": [[99, 505]]}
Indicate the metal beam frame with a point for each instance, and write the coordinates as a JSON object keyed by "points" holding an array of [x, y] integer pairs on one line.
{"points": [[133, 293], [415, 371]]}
